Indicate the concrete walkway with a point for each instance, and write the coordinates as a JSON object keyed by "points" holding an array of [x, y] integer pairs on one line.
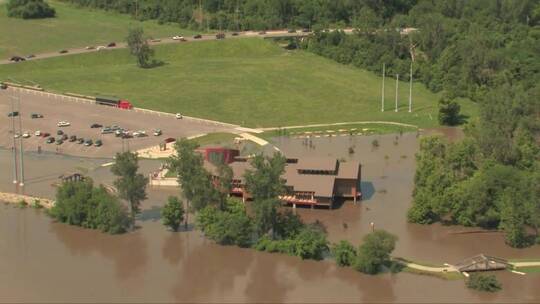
{"points": [[526, 264], [425, 268]]}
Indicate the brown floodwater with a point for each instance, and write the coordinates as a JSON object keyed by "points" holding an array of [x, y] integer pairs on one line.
{"points": [[44, 261]]}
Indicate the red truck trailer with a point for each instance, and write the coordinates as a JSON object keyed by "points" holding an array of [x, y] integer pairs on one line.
{"points": [[114, 102]]}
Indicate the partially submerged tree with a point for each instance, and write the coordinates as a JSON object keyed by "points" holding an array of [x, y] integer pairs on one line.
{"points": [[344, 253], [483, 282], [173, 213], [375, 252], [138, 47], [130, 184]]}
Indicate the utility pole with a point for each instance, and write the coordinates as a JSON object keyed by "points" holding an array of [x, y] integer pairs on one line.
{"points": [[410, 90], [397, 86], [15, 181], [382, 98], [21, 182]]}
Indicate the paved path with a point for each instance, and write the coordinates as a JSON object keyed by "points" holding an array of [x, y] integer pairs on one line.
{"points": [[426, 268], [340, 124], [526, 264]]}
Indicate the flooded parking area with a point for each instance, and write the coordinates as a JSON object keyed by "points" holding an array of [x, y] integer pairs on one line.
{"points": [[44, 261]]}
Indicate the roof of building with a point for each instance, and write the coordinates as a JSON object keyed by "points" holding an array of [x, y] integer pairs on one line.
{"points": [[348, 170], [317, 163], [239, 168]]}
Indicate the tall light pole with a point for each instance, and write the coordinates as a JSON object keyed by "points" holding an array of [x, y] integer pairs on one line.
{"points": [[14, 140], [382, 98], [397, 86], [21, 182], [410, 90]]}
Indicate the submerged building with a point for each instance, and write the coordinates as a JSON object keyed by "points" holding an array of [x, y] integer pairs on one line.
{"points": [[309, 181]]}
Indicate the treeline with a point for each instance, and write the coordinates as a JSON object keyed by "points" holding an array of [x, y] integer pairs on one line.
{"points": [[250, 14], [29, 9]]}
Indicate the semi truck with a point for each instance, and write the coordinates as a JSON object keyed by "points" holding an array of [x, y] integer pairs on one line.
{"points": [[114, 102]]}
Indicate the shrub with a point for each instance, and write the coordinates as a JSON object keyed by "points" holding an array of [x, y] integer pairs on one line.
{"points": [[311, 243], [37, 204], [173, 213], [483, 282], [448, 112], [375, 252], [344, 253], [29, 9], [22, 204]]}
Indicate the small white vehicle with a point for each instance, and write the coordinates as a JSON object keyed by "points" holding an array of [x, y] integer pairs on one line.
{"points": [[157, 132], [178, 116], [37, 133], [63, 124], [101, 47], [178, 38], [17, 135], [26, 135], [139, 133]]}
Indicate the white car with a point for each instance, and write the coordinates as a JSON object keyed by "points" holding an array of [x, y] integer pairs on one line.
{"points": [[139, 133], [26, 135], [101, 47], [178, 38], [17, 135], [63, 124], [178, 116], [37, 133], [157, 132]]}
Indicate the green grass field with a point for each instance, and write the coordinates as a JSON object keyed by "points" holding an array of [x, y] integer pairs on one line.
{"points": [[251, 82], [72, 27]]}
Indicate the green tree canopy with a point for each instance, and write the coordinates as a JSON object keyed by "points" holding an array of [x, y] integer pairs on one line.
{"points": [[130, 184], [375, 252], [138, 47], [173, 213], [29, 9]]}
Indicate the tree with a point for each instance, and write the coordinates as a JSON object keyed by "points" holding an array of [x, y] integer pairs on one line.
{"points": [[265, 216], [130, 184], [344, 253], [375, 252], [448, 112], [224, 186], [139, 47], [265, 182], [311, 243], [483, 282], [29, 9], [173, 213]]}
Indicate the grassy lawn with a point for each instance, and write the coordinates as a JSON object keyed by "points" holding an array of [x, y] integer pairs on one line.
{"points": [[218, 138], [251, 82], [528, 269], [72, 27]]}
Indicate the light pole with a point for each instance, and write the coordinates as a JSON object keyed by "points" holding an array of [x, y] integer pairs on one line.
{"points": [[410, 90], [397, 86], [382, 98], [15, 181], [21, 182]]}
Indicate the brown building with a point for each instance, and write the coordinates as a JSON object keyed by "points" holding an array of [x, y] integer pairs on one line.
{"points": [[309, 181]]}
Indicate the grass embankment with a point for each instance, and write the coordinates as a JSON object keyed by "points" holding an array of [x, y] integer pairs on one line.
{"points": [[71, 28], [251, 82], [338, 130], [218, 138]]}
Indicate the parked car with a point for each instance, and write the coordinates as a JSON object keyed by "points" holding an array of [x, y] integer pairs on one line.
{"points": [[63, 51], [59, 141], [88, 142], [198, 36], [50, 140], [178, 116], [126, 135], [95, 125], [26, 135], [36, 115], [177, 37], [37, 133], [30, 56], [139, 133], [157, 132], [115, 127], [72, 138], [101, 47], [234, 34], [17, 135], [64, 137], [112, 44], [106, 130], [59, 132], [13, 114], [98, 143], [63, 124], [16, 58], [44, 135], [90, 47], [119, 132], [169, 140], [80, 140]]}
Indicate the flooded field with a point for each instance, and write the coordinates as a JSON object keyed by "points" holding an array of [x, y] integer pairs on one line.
{"points": [[43, 261]]}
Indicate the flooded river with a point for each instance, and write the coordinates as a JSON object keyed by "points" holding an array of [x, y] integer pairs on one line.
{"points": [[43, 261]]}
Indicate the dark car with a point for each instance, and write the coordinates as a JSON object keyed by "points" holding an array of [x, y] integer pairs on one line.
{"points": [[50, 140], [3, 86], [88, 142], [59, 132], [220, 36], [30, 56], [112, 44], [262, 33], [198, 36], [63, 51], [44, 135], [16, 58], [291, 31], [98, 143], [59, 141], [80, 140], [72, 138], [95, 125], [13, 114], [64, 137], [126, 135], [306, 30], [36, 115], [234, 33]]}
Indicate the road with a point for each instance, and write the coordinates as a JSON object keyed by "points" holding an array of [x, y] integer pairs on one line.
{"points": [[168, 40]]}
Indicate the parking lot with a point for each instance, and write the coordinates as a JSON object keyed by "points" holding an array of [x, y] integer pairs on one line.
{"points": [[81, 115]]}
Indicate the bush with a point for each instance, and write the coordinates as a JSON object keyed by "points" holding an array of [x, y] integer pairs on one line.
{"points": [[29, 9], [37, 204], [448, 112], [375, 252], [22, 204], [311, 243], [483, 282], [344, 253], [173, 213]]}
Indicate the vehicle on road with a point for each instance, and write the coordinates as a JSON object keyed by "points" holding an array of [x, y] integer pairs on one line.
{"points": [[178, 37], [36, 115], [178, 116], [95, 125], [90, 47], [157, 132], [198, 36], [13, 114], [63, 124], [220, 36], [37, 133], [72, 138], [112, 44], [114, 102], [63, 51], [80, 140], [88, 142], [26, 135], [305, 30], [59, 141], [234, 34], [98, 143], [262, 33], [50, 140], [16, 58], [155, 40], [30, 56], [101, 47], [44, 135], [59, 132], [291, 31]]}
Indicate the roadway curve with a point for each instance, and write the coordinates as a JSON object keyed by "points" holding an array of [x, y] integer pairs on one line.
{"points": [[121, 45]]}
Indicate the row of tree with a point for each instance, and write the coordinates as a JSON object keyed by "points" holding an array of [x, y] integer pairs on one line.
{"points": [[29, 9]]}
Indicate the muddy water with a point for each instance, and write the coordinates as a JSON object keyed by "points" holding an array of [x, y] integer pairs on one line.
{"points": [[43, 261]]}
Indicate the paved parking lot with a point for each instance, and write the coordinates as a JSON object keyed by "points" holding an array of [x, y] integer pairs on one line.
{"points": [[82, 115]]}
